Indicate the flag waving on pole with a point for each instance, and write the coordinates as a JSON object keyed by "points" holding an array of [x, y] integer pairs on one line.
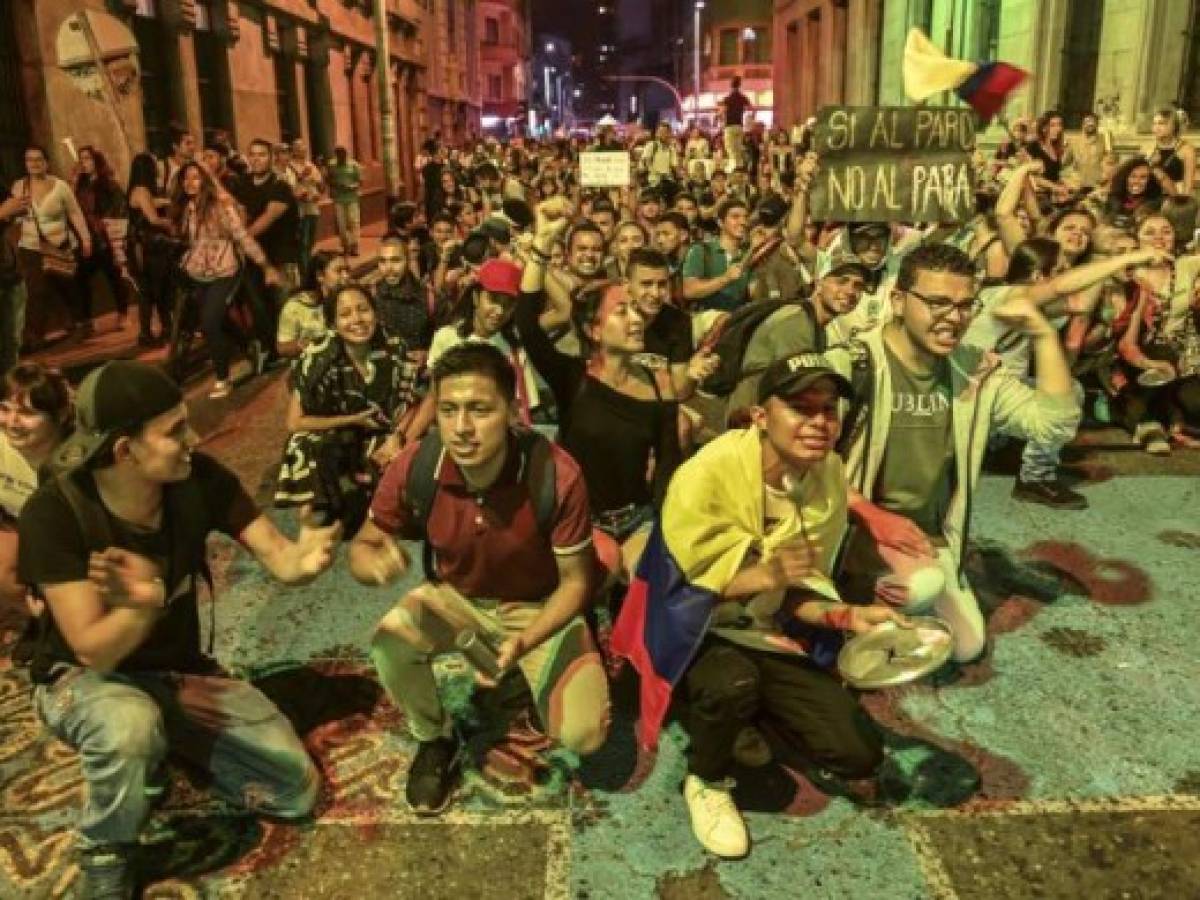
{"points": [[928, 71]]}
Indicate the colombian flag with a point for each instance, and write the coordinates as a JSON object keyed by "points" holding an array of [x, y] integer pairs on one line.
{"points": [[985, 86], [712, 518], [660, 627]]}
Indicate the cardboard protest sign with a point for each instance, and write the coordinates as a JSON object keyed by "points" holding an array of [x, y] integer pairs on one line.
{"points": [[894, 164], [601, 169]]}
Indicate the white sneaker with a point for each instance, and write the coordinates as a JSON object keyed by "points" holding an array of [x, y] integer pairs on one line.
{"points": [[220, 390], [716, 822], [1152, 438]]}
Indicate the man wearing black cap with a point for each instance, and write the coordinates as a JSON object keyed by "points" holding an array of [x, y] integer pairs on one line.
{"points": [[799, 327], [753, 521], [777, 268], [116, 545]]}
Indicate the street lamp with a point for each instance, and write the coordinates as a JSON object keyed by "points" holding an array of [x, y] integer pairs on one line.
{"points": [[549, 48], [699, 8]]}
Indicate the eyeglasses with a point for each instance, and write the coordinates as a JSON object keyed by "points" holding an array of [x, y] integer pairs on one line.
{"points": [[941, 307]]}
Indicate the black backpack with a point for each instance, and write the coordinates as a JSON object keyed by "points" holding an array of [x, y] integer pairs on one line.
{"points": [[733, 339], [537, 470]]}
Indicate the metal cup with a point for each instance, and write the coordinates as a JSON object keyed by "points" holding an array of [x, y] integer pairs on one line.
{"points": [[478, 652]]}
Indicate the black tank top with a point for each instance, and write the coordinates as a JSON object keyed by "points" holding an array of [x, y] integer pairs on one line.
{"points": [[1167, 159]]}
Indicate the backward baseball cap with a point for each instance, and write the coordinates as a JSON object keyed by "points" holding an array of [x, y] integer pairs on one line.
{"points": [[117, 398]]}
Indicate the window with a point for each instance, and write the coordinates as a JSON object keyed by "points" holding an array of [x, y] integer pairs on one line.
{"points": [[154, 74], [920, 14], [211, 72], [728, 49], [495, 87], [987, 29], [1190, 92], [450, 19], [1081, 45], [14, 132], [491, 31], [285, 97], [757, 50]]}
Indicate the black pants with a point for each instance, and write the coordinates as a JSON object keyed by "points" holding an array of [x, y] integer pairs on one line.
{"points": [[264, 307], [1177, 402], [729, 687], [103, 263], [155, 267]]}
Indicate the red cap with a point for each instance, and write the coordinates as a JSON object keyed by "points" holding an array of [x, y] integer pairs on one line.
{"points": [[500, 277]]}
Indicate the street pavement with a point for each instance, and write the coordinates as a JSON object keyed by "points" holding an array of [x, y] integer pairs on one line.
{"points": [[1062, 766]]}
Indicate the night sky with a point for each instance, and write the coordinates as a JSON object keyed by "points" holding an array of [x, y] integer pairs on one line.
{"points": [[567, 18]]}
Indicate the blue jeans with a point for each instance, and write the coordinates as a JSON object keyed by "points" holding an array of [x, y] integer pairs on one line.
{"points": [[123, 727], [212, 299]]}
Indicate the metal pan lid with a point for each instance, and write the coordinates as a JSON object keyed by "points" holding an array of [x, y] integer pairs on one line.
{"points": [[888, 655], [1154, 378]]}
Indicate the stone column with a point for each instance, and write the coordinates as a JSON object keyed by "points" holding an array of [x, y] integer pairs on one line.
{"points": [[320, 94], [179, 17]]}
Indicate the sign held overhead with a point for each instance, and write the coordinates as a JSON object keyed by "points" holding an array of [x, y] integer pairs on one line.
{"points": [[894, 164]]}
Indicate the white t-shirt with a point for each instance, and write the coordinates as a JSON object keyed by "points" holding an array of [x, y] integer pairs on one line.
{"points": [[300, 321], [18, 480], [448, 337]]}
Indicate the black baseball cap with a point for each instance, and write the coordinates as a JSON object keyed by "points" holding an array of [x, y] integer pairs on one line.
{"points": [[794, 373], [497, 229], [771, 210], [118, 398]]}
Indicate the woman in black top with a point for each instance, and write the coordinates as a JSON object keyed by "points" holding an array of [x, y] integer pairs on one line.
{"points": [[1172, 159], [153, 250], [617, 418], [1050, 148], [103, 205]]}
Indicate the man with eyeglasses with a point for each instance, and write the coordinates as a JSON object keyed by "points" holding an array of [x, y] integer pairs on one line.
{"points": [[915, 447]]}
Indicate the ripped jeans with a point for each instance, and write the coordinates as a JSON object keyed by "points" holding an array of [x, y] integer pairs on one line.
{"points": [[124, 725]]}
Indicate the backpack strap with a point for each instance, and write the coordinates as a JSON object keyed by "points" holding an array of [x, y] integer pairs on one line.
{"points": [[186, 508], [89, 514], [420, 489], [540, 475], [862, 378]]}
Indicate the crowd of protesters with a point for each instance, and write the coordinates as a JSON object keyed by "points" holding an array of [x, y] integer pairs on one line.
{"points": [[548, 384]]}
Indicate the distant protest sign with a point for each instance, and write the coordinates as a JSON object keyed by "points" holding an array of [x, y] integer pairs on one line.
{"points": [[894, 164], [599, 168]]}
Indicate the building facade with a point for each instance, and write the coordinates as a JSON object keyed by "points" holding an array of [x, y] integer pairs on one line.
{"points": [[736, 39], [1120, 58], [504, 63], [278, 69], [453, 94]]}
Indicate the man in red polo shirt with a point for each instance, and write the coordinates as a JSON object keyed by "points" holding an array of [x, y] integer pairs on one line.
{"points": [[519, 584]]}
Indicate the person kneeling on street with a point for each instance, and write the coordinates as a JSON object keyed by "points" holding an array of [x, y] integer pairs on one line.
{"points": [[737, 580], [507, 535], [115, 544]]}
